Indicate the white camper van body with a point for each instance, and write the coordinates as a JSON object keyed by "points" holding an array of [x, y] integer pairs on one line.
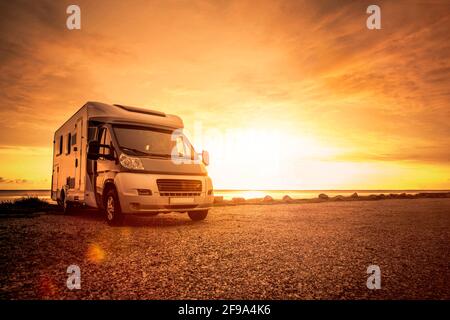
{"points": [[158, 185]]}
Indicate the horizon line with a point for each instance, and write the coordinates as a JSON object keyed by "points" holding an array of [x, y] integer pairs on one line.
{"points": [[277, 190]]}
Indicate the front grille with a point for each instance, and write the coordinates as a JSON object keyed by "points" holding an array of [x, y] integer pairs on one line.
{"points": [[179, 194], [178, 185]]}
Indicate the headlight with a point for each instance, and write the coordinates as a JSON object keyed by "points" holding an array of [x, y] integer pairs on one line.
{"points": [[131, 162]]}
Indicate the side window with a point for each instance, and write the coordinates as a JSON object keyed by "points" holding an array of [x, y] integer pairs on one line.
{"points": [[74, 139], [105, 138], [68, 146], [100, 134], [101, 138], [60, 146], [92, 133]]}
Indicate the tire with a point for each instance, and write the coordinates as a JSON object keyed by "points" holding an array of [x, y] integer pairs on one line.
{"points": [[68, 208], [59, 202], [112, 210], [198, 215], [66, 205]]}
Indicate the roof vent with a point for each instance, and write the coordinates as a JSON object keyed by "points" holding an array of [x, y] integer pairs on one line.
{"points": [[142, 110]]}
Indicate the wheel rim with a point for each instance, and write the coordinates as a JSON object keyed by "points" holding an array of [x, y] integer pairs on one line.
{"points": [[110, 208]]}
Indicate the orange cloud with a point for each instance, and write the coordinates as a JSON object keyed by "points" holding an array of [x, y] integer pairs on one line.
{"points": [[307, 68]]}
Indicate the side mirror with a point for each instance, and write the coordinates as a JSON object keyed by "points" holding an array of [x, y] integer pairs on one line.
{"points": [[205, 157], [110, 154], [93, 150]]}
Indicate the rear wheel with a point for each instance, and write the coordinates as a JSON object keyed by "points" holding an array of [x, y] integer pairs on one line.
{"points": [[66, 205], [113, 212], [68, 208], [198, 215]]}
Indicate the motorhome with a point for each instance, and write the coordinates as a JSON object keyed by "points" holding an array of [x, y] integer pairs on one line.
{"points": [[128, 160]]}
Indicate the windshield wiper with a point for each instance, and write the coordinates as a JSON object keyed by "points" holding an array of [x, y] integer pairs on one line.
{"points": [[142, 153], [138, 152], [160, 155]]}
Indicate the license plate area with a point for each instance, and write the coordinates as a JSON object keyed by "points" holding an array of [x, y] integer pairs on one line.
{"points": [[181, 200]]}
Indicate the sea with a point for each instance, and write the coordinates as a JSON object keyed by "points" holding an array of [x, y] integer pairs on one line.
{"points": [[11, 195]]}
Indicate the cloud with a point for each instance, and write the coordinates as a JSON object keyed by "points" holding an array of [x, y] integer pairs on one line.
{"points": [[307, 67], [437, 155], [388, 87], [44, 69], [13, 181]]}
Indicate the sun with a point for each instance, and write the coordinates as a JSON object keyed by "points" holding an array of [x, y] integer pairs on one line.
{"points": [[256, 157]]}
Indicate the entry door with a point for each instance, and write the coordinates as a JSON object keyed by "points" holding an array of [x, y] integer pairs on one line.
{"points": [[55, 176], [78, 153]]}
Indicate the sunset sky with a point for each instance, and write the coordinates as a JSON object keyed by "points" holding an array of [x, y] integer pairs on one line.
{"points": [[283, 94]]}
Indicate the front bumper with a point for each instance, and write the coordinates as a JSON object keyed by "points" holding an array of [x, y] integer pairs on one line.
{"points": [[131, 202]]}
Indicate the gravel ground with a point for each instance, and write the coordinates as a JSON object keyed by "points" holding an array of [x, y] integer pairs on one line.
{"points": [[286, 251]]}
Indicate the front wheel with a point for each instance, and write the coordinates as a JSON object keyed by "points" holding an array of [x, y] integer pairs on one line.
{"points": [[113, 212], [198, 215]]}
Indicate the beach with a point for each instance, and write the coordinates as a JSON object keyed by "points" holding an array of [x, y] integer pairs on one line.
{"points": [[279, 251], [11, 195]]}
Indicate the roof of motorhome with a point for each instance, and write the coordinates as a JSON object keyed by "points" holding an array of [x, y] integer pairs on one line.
{"points": [[127, 114]]}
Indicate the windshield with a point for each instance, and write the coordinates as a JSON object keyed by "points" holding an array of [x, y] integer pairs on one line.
{"points": [[145, 141]]}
